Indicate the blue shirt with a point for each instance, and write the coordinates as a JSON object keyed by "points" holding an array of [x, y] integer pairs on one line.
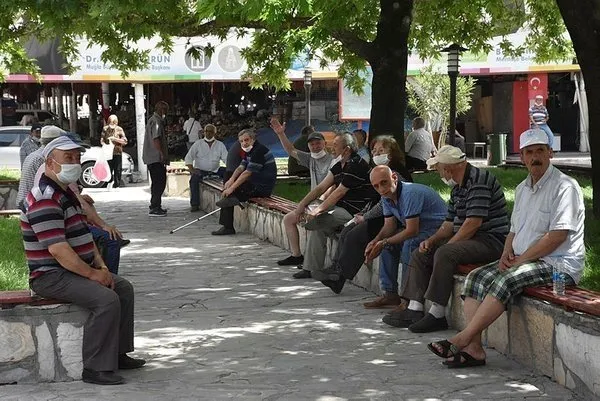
{"points": [[417, 200], [260, 162]]}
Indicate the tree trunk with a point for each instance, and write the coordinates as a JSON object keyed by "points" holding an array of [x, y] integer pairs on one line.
{"points": [[582, 19], [389, 61]]}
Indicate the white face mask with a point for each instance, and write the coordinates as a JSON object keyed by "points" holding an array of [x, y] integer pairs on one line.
{"points": [[381, 159], [318, 155], [69, 173], [336, 160], [248, 149], [209, 140], [449, 181]]}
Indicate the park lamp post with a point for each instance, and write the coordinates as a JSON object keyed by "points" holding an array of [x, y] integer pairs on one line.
{"points": [[307, 86], [453, 51]]}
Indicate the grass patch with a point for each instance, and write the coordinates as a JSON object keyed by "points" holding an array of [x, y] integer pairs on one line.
{"points": [[509, 179], [13, 267], [9, 174]]}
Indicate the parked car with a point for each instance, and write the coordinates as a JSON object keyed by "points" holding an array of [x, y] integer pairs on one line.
{"points": [[12, 137]]}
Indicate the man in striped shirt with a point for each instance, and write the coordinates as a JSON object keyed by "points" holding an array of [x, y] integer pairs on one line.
{"points": [[473, 233], [538, 118], [64, 263]]}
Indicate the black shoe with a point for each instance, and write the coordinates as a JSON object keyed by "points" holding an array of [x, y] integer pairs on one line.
{"points": [[194, 209], [224, 231], [335, 285], [428, 324], [157, 213], [97, 377], [127, 362], [291, 261], [300, 267], [403, 318], [228, 201], [302, 274], [124, 242]]}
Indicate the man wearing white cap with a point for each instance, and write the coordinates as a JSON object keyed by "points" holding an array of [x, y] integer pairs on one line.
{"points": [[538, 118], [64, 263], [473, 233], [546, 230]]}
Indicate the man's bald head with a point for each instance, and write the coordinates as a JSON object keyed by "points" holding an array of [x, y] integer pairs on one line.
{"points": [[385, 181]]}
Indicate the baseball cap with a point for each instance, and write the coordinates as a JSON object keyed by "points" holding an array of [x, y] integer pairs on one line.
{"points": [[36, 127], [447, 154], [539, 96], [315, 135], [61, 143], [532, 137], [52, 131]]}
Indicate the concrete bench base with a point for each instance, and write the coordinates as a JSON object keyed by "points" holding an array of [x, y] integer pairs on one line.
{"points": [[41, 343], [562, 345]]}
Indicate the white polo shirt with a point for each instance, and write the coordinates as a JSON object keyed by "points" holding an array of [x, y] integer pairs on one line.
{"points": [[205, 157], [419, 144], [555, 202]]}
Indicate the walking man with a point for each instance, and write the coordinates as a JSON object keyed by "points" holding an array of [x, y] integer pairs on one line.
{"points": [[155, 156]]}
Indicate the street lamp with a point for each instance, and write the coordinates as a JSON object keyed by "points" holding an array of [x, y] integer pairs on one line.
{"points": [[453, 51], [307, 86]]}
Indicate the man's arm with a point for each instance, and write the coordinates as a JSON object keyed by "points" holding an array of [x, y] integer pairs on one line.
{"points": [[189, 158], [68, 259], [467, 230], [243, 177], [410, 141], [93, 217], [331, 200], [445, 231], [543, 247], [327, 182], [280, 131]]}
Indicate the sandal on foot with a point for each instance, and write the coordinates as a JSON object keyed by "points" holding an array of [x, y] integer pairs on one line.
{"points": [[463, 360], [448, 349]]}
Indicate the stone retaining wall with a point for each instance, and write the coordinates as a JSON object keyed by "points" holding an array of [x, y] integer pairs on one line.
{"points": [[8, 194], [41, 343], [564, 346]]}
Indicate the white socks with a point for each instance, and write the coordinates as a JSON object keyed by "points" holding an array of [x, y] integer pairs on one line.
{"points": [[415, 305], [438, 311]]}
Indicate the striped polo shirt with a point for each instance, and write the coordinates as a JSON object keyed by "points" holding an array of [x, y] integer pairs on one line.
{"points": [[261, 163], [538, 113], [479, 195], [53, 215], [354, 175]]}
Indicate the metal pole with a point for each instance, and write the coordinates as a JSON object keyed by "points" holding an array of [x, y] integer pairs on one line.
{"points": [[307, 90], [453, 77], [140, 126]]}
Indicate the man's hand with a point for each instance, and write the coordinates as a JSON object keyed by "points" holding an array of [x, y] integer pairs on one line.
{"points": [[228, 191], [358, 218], [227, 184], [162, 157], [103, 277], [507, 260], [296, 216], [277, 127], [87, 198], [112, 231], [373, 250], [426, 245]]}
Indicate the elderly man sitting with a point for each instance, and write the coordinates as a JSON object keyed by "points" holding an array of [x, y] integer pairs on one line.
{"points": [[64, 263], [546, 231]]}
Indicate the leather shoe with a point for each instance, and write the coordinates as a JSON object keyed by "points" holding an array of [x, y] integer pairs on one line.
{"points": [[302, 274], [124, 242], [389, 300], [403, 319], [127, 362], [194, 209], [429, 324], [224, 231], [99, 377], [335, 285]]}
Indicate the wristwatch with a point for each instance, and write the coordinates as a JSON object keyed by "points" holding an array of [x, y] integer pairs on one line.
{"points": [[385, 242]]}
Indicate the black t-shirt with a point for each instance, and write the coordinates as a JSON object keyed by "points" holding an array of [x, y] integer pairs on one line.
{"points": [[354, 176]]}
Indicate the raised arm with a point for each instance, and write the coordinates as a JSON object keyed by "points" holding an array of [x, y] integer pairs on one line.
{"points": [[285, 142]]}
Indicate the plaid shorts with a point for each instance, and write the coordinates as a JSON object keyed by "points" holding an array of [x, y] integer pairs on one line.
{"points": [[504, 285]]}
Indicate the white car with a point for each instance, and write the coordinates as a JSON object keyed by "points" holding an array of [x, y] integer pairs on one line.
{"points": [[12, 137]]}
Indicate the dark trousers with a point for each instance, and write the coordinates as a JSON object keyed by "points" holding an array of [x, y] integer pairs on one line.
{"points": [[116, 169], [352, 242], [108, 331], [243, 193], [110, 249], [413, 163], [431, 274], [196, 178], [158, 175]]}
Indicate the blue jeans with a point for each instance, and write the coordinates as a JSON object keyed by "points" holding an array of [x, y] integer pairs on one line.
{"points": [[112, 256], [195, 180], [389, 262], [547, 130]]}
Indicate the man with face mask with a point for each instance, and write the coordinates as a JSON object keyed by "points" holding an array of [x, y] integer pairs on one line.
{"points": [[155, 155], [32, 143], [64, 263], [318, 161], [473, 233], [254, 177], [202, 160]]}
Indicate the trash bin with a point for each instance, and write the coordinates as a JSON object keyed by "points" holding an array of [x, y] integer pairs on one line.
{"points": [[496, 149]]}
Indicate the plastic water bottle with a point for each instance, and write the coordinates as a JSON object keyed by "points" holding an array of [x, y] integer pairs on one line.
{"points": [[558, 279]]}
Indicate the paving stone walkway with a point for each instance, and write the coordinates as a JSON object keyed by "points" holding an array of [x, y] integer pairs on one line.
{"points": [[217, 319]]}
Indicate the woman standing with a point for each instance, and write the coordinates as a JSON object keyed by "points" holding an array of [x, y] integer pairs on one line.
{"points": [[114, 134]]}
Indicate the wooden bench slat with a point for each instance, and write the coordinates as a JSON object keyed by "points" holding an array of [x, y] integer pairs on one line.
{"points": [[575, 298], [10, 299]]}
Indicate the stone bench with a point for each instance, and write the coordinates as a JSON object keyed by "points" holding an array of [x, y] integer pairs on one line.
{"points": [[40, 339], [556, 336], [10, 213]]}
